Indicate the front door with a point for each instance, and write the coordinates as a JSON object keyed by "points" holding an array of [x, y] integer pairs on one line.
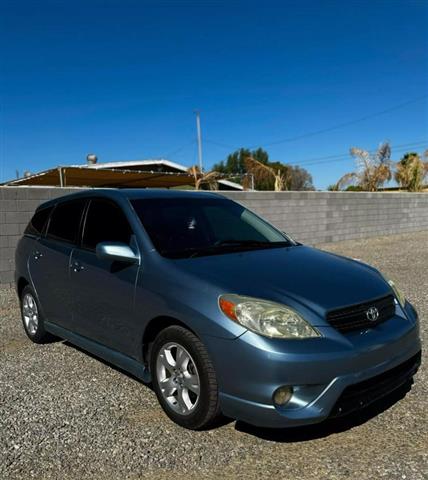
{"points": [[103, 289]]}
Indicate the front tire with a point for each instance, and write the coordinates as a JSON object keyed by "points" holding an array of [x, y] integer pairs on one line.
{"points": [[32, 318], [184, 378]]}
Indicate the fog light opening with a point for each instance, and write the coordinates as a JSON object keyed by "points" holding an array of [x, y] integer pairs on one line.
{"points": [[282, 395]]}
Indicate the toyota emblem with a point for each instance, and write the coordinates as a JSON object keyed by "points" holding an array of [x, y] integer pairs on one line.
{"points": [[372, 314]]}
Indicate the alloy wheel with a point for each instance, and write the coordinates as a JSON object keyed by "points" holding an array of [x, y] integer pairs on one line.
{"points": [[30, 313], [178, 378]]}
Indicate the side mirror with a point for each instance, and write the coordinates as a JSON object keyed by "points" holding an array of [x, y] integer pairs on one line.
{"points": [[118, 251]]}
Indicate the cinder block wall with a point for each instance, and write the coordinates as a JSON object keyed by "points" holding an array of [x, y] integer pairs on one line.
{"points": [[17, 205], [310, 217], [323, 217]]}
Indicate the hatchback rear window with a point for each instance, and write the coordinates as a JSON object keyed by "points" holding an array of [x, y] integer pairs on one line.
{"points": [[65, 221], [38, 222]]}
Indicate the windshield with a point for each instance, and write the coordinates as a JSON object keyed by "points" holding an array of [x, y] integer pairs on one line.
{"points": [[189, 227]]}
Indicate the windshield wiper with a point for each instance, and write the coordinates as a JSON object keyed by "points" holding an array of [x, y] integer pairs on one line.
{"points": [[252, 243], [225, 245]]}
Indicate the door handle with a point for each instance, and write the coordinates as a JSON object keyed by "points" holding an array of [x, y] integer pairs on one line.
{"points": [[37, 254], [77, 267]]}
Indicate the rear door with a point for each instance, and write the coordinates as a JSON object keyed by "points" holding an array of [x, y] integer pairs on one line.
{"points": [[49, 262], [104, 289], [28, 251]]}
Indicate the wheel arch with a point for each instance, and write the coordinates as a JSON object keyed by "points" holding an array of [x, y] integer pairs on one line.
{"points": [[21, 284], [153, 328]]}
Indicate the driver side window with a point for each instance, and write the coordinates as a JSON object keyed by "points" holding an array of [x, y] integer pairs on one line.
{"points": [[105, 222]]}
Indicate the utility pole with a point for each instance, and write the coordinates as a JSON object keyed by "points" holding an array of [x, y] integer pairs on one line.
{"points": [[198, 130]]}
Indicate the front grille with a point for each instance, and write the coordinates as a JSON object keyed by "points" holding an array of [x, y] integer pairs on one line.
{"points": [[355, 317], [368, 391]]}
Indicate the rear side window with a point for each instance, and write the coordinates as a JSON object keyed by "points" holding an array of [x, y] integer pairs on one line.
{"points": [[65, 221], [38, 222], [105, 222]]}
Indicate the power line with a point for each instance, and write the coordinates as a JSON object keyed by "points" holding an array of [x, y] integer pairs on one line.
{"points": [[344, 156], [340, 157], [220, 144], [327, 129], [346, 124], [179, 149], [348, 156]]}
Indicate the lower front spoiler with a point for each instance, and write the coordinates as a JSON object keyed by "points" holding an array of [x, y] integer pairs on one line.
{"points": [[349, 396], [364, 393]]}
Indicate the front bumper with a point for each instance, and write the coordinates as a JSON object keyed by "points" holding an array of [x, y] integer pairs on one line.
{"points": [[250, 368]]}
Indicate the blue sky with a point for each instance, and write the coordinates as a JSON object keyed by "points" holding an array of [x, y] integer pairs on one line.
{"points": [[122, 79]]}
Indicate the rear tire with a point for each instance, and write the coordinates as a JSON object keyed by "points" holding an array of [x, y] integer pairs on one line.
{"points": [[184, 379], [32, 318]]}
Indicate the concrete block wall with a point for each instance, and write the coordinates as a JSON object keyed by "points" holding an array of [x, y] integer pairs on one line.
{"points": [[323, 217], [309, 217], [17, 205]]}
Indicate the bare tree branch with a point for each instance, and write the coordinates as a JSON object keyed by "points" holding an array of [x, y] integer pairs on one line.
{"points": [[264, 172]]}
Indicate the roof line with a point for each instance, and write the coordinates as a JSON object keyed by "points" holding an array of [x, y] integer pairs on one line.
{"points": [[162, 161]]}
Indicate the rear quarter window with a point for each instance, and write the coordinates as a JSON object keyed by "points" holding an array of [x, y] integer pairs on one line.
{"points": [[38, 222]]}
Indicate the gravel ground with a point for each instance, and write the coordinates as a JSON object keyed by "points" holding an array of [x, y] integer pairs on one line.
{"points": [[65, 414]]}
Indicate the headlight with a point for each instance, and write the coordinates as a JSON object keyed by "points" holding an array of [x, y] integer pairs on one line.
{"points": [[266, 318], [398, 293]]}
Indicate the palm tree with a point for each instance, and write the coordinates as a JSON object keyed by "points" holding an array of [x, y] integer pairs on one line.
{"points": [[262, 172], [373, 170], [411, 171], [202, 178]]}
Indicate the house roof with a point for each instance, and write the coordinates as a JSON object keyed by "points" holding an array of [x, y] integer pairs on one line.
{"points": [[127, 174], [82, 176], [131, 164], [154, 164]]}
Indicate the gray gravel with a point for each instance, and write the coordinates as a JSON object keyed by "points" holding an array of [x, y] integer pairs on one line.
{"points": [[65, 414]]}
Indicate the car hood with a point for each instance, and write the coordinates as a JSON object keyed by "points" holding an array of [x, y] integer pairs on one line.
{"points": [[318, 280]]}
